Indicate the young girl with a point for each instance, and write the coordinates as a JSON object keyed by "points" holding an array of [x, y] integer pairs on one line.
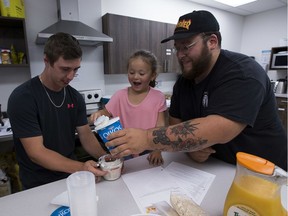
{"points": [[140, 105]]}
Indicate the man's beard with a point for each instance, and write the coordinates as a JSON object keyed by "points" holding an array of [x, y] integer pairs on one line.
{"points": [[199, 65]]}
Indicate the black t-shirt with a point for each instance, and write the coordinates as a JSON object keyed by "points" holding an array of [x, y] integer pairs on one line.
{"points": [[238, 89], [31, 114]]}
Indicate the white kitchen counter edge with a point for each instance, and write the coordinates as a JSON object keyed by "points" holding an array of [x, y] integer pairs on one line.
{"points": [[282, 95]]}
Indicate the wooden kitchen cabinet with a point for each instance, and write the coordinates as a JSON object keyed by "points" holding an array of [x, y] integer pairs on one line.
{"points": [[282, 110], [13, 32], [131, 34]]}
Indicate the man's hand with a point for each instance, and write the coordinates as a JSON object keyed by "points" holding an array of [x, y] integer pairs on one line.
{"points": [[128, 141], [93, 167], [201, 155]]}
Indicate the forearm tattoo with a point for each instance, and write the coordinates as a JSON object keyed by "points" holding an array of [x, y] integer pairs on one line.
{"points": [[185, 139]]}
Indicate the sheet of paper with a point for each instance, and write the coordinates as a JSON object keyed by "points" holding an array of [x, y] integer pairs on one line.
{"points": [[155, 185], [149, 186], [194, 181]]}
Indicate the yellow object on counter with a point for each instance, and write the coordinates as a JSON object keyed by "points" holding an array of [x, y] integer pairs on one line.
{"points": [[12, 8], [259, 196], [256, 188]]}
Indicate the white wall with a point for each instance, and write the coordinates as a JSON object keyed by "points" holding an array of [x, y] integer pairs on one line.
{"points": [[263, 31], [238, 35]]}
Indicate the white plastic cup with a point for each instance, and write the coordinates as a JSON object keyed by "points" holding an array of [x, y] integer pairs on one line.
{"points": [[112, 166], [82, 194], [112, 126]]}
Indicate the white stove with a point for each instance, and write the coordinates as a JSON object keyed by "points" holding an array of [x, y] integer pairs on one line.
{"points": [[92, 99]]}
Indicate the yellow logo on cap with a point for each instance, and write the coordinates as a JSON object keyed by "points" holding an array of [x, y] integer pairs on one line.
{"points": [[184, 24]]}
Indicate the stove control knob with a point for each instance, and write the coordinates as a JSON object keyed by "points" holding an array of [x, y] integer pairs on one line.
{"points": [[89, 96], [96, 96]]}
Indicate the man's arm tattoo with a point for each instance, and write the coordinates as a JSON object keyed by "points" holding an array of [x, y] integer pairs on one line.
{"points": [[181, 133]]}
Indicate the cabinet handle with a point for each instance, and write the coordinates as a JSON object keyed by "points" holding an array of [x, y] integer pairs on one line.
{"points": [[284, 101], [165, 66], [281, 109]]}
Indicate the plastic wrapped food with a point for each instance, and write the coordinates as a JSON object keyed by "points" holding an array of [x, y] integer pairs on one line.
{"points": [[185, 206]]}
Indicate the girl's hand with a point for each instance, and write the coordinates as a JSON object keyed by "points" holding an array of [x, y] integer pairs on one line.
{"points": [[155, 158], [93, 117]]}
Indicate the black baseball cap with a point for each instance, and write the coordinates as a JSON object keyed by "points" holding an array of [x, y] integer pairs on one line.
{"points": [[194, 23]]}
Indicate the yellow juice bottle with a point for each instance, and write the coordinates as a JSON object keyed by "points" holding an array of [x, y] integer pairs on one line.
{"points": [[255, 190]]}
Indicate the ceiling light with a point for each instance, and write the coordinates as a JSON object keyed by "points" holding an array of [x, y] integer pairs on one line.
{"points": [[235, 3]]}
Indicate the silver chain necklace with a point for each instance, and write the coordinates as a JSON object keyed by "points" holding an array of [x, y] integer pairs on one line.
{"points": [[57, 106]]}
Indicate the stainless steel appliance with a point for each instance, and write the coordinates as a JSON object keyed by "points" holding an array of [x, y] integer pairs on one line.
{"points": [[92, 99], [279, 60], [280, 86], [68, 22]]}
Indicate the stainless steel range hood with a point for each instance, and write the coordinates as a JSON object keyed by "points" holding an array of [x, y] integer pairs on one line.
{"points": [[68, 23], [86, 35]]}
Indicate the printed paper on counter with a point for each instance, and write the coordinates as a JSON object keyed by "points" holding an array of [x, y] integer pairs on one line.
{"points": [[155, 185], [195, 182]]}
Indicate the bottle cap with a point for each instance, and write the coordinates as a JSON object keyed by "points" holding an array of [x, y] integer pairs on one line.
{"points": [[255, 163]]}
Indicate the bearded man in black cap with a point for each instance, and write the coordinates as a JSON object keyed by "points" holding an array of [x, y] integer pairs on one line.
{"points": [[222, 103]]}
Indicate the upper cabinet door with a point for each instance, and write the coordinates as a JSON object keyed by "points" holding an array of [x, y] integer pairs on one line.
{"points": [[131, 34], [171, 59]]}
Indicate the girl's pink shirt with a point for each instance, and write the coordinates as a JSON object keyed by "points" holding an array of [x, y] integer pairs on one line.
{"points": [[143, 115]]}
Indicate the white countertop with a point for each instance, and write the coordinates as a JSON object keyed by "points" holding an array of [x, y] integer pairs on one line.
{"points": [[5, 130], [282, 95], [114, 197]]}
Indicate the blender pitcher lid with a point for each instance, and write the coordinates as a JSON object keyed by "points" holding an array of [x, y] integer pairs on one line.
{"points": [[255, 163]]}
